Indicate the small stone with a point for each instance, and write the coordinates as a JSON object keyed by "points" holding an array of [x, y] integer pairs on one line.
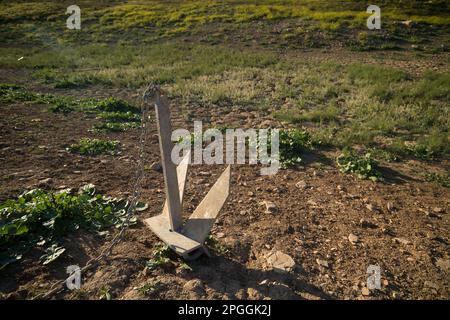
{"points": [[352, 238], [270, 206], [367, 224], [253, 294], [391, 207], [322, 263], [280, 262], [204, 173], [402, 241], [385, 283], [371, 207], [250, 194], [301, 184], [365, 291], [156, 166], [407, 23], [438, 210], [311, 203], [220, 235], [45, 182]]}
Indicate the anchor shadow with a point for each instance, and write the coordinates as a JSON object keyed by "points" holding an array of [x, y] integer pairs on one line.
{"points": [[233, 279]]}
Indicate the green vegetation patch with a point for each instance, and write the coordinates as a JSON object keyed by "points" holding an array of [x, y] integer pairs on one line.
{"points": [[92, 147], [293, 143], [365, 167], [41, 219]]}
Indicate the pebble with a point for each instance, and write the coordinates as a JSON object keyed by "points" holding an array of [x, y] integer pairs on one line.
{"points": [[301, 184], [365, 291], [270, 206], [280, 262], [322, 263], [352, 238], [156, 166], [45, 182]]}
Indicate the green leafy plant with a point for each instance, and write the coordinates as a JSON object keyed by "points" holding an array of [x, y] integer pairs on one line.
{"points": [[38, 218], [94, 147], [52, 253], [161, 257], [150, 287], [120, 116], [61, 107], [115, 105], [216, 246], [105, 293], [363, 166], [293, 143]]}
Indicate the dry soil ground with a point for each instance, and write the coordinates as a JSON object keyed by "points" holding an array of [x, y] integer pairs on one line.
{"points": [[401, 225]]}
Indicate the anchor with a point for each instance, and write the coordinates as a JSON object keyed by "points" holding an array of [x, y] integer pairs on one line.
{"points": [[187, 239]]}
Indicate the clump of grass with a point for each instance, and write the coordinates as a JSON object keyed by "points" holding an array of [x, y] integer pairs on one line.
{"points": [[363, 166], [61, 107], [321, 115], [40, 219], [115, 105], [119, 116], [92, 147]]}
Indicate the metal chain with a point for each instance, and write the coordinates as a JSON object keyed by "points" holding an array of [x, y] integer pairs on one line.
{"points": [[137, 187]]}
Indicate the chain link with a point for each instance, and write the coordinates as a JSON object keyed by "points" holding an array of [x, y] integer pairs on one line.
{"points": [[137, 187]]}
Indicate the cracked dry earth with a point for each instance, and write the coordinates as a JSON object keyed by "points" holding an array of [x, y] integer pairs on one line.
{"points": [[324, 226]]}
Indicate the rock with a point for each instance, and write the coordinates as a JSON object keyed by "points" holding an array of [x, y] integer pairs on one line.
{"points": [[156, 166], [204, 173], [407, 23], [402, 241], [45, 182], [250, 194], [195, 288], [352, 238], [443, 264], [322, 263], [438, 210], [270, 206], [365, 291], [280, 262], [371, 207], [391, 207], [301, 185], [312, 203], [367, 224], [254, 294], [220, 235]]}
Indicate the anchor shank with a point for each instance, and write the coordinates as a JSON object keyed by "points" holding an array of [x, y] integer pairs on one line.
{"points": [[169, 168]]}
